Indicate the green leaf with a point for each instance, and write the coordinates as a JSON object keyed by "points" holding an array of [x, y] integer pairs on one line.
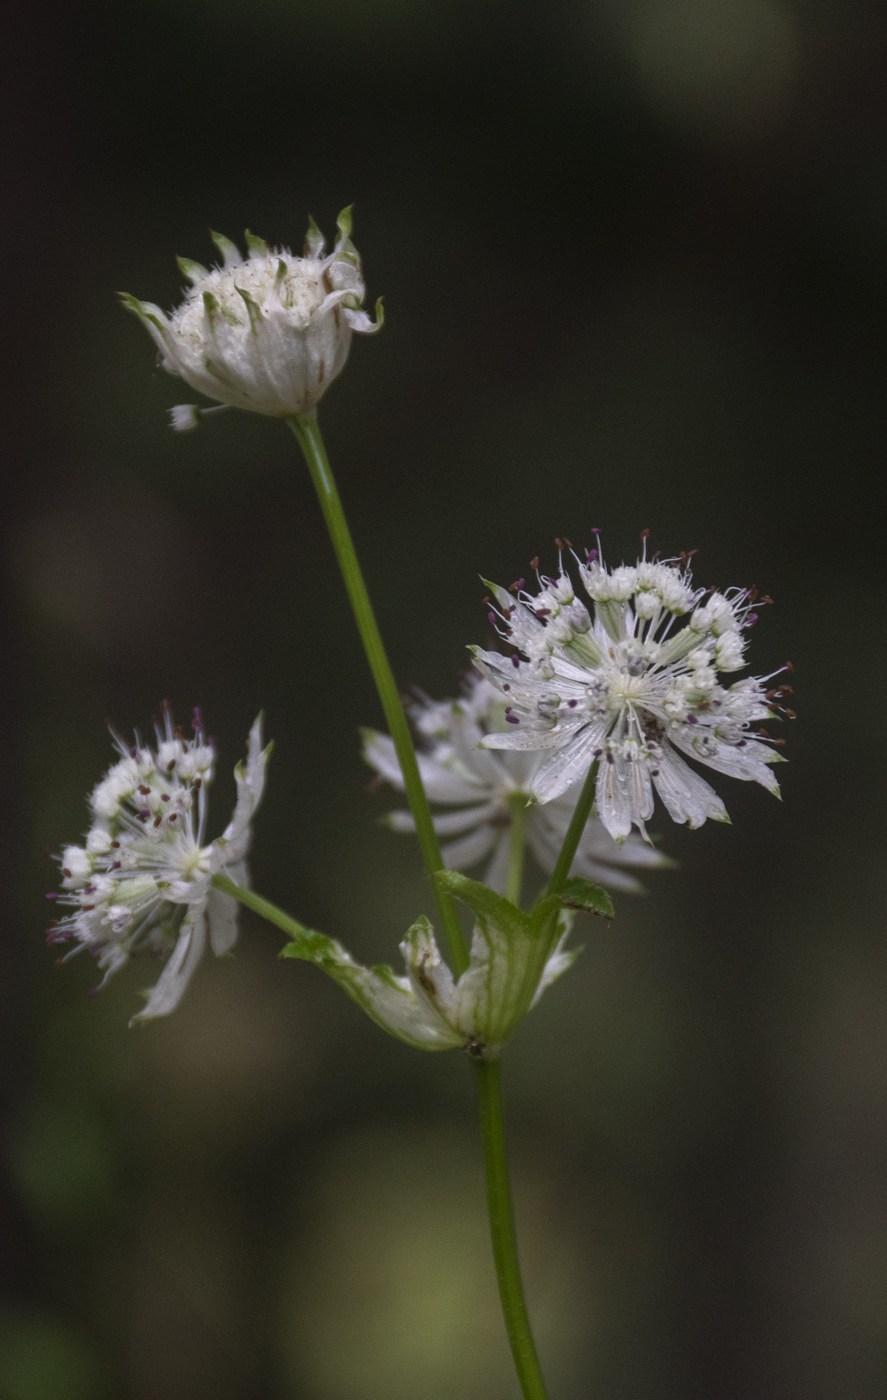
{"points": [[588, 898]]}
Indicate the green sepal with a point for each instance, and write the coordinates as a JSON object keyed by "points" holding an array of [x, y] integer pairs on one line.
{"points": [[254, 311], [511, 953], [211, 307], [193, 271], [380, 314]]}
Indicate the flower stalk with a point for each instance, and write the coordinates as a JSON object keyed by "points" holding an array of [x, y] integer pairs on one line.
{"points": [[308, 435]]}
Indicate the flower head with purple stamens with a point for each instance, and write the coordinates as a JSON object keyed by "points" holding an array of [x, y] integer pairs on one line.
{"points": [[141, 882], [624, 668]]}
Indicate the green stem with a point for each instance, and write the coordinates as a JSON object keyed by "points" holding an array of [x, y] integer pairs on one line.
{"points": [[517, 841], [263, 907], [307, 432], [581, 814], [502, 1232]]}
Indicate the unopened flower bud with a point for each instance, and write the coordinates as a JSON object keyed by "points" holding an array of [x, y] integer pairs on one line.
{"points": [[267, 333]]}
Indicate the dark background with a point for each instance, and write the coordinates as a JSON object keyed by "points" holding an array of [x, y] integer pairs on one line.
{"points": [[632, 255]]}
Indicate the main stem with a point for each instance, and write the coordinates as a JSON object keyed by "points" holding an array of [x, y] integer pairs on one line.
{"points": [[488, 1083], [487, 1074], [307, 432]]}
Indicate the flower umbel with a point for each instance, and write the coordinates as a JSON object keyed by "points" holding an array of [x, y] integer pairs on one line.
{"points": [[514, 957], [267, 333], [141, 882], [625, 670], [474, 791]]}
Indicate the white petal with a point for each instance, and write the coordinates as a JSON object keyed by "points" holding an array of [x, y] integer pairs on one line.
{"points": [[568, 766], [525, 738], [221, 913], [453, 823], [614, 798], [751, 761], [687, 797], [250, 778], [180, 967], [461, 855]]}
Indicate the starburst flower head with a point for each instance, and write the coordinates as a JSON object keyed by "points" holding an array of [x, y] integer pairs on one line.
{"points": [[141, 881], [475, 792], [267, 333], [625, 668]]}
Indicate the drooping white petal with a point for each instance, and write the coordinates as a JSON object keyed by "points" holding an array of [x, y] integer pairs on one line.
{"points": [[250, 779], [173, 981], [614, 798], [687, 797], [569, 764]]}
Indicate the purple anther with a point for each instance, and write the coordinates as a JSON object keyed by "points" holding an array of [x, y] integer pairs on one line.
{"points": [[515, 661], [511, 719], [571, 704], [491, 618]]}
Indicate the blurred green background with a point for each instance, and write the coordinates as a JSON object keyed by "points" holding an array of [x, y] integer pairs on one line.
{"points": [[632, 259]]}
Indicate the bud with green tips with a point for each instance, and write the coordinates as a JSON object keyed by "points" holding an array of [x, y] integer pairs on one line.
{"points": [[267, 333]]}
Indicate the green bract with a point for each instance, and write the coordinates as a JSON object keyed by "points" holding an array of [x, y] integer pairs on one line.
{"points": [[514, 957]]}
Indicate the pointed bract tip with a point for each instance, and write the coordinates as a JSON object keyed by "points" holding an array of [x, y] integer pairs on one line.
{"points": [[227, 248], [345, 222], [314, 239], [256, 245], [191, 270]]}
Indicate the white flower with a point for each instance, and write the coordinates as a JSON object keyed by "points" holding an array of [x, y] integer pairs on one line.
{"points": [[626, 670], [267, 333], [514, 957], [475, 791], [141, 882]]}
